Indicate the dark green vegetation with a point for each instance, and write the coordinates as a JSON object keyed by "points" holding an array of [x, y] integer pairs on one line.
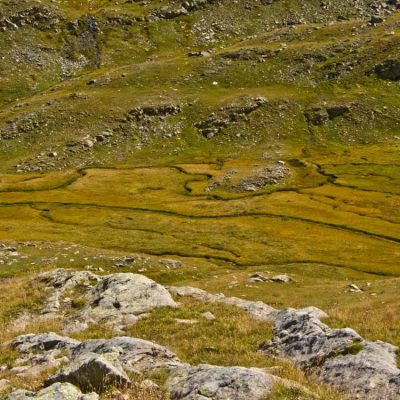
{"points": [[146, 128]]}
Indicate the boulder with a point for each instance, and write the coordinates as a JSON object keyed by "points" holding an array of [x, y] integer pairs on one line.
{"points": [[57, 391], [133, 354], [339, 357], [370, 374], [219, 383], [307, 341], [127, 294], [43, 342], [118, 299], [93, 372]]}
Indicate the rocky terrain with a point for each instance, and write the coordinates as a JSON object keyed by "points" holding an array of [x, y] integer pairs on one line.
{"points": [[199, 199], [339, 357]]}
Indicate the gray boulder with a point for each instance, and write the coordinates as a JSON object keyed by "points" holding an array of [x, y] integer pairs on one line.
{"points": [[58, 391], [126, 294], [133, 354], [306, 340], [93, 372], [372, 373], [118, 299], [339, 357], [219, 383], [43, 342]]}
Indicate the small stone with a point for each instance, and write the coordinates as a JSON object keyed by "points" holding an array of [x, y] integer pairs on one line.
{"points": [[208, 315], [354, 288], [186, 321], [281, 279]]}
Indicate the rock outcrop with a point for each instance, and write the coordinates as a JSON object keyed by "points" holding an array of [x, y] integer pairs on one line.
{"points": [[227, 116], [339, 357], [95, 365], [125, 295], [118, 299], [219, 383]]}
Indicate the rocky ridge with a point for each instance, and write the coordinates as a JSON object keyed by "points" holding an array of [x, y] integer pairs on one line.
{"points": [[97, 364]]}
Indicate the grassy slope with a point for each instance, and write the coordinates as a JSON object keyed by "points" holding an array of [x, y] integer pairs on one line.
{"points": [[332, 222]]}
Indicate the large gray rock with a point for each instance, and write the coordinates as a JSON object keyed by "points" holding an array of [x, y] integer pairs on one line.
{"points": [[118, 299], [339, 357], [43, 342], [133, 354], [93, 372], [126, 295], [58, 391], [306, 340], [219, 383], [370, 374]]}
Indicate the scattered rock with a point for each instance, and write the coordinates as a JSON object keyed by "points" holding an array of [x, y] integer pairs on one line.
{"points": [[271, 175], [277, 278], [40, 17], [216, 122], [140, 113], [96, 364]]}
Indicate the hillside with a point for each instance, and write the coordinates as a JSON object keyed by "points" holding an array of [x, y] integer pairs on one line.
{"points": [[250, 148]]}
